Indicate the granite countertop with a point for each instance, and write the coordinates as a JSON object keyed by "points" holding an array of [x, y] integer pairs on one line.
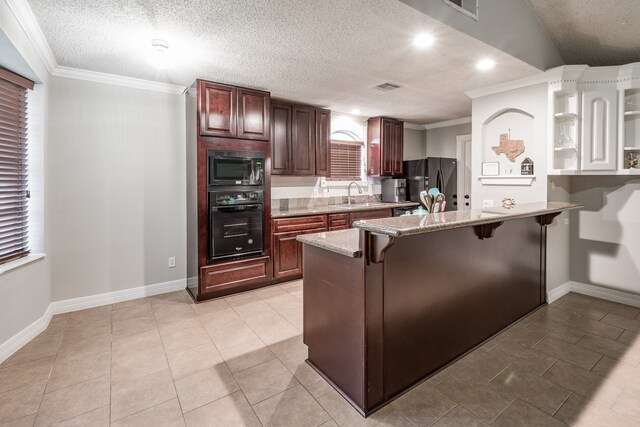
{"points": [[344, 242], [417, 224], [327, 209]]}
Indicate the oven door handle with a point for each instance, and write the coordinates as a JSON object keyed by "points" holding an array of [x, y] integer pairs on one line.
{"points": [[239, 208]]}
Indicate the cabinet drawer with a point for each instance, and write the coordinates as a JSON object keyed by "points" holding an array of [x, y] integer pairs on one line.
{"points": [[380, 213], [299, 223], [233, 273], [338, 220]]}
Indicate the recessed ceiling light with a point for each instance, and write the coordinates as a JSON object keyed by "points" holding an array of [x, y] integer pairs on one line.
{"points": [[485, 64], [355, 112], [423, 40], [159, 55]]}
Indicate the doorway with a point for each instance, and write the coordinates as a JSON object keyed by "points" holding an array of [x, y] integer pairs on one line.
{"points": [[463, 154]]}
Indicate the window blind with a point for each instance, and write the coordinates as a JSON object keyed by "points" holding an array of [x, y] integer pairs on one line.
{"points": [[346, 160], [13, 166]]}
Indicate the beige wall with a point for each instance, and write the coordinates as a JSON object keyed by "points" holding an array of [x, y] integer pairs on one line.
{"points": [[117, 187], [414, 144], [558, 235], [441, 142]]}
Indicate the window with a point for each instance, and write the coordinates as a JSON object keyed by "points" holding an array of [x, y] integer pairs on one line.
{"points": [[346, 160], [13, 166]]}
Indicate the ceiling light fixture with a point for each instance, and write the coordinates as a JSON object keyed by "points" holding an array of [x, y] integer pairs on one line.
{"points": [[355, 112], [423, 40], [485, 64], [159, 55]]}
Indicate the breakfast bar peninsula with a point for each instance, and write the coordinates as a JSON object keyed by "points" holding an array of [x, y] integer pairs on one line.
{"points": [[393, 300]]}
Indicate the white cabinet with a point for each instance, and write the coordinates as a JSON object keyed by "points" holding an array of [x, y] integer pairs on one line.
{"points": [[599, 135]]}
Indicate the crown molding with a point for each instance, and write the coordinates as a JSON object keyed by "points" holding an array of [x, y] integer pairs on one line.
{"points": [[413, 126], [543, 77], [113, 79], [27, 20], [447, 123]]}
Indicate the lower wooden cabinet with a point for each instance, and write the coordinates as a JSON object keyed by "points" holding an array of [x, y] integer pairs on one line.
{"points": [[287, 251], [233, 276]]}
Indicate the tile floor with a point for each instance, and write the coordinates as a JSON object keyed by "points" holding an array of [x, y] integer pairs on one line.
{"points": [[164, 361]]}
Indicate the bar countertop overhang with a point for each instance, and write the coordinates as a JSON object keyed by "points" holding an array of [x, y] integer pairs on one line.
{"points": [[346, 242]]}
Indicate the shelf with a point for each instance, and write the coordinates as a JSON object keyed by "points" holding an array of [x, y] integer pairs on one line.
{"points": [[565, 149], [631, 114], [565, 116], [507, 180], [631, 148]]}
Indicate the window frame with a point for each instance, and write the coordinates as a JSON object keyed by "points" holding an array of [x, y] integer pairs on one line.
{"points": [[15, 145], [362, 175]]}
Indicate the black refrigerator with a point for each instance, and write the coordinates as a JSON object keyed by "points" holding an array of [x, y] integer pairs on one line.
{"points": [[438, 172]]}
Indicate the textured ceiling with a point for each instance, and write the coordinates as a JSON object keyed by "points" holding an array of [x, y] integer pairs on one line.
{"points": [[328, 53], [592, 32]]}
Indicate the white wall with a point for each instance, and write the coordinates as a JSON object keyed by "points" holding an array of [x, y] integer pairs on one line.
{"points": [[605, 235], [531, 100], [559, 235], [441, 142], [117, 187], [25, 292]]}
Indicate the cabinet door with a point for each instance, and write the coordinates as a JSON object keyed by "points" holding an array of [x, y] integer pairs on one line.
{"points": [[280, 139], [323, 142], [386, 148], [217, 110], [287, 255], [398, 136], [303, 140], [599, 142], [253, 114]]}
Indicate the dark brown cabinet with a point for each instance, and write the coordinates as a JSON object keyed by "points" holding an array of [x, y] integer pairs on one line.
{"points": [[233, 112], [287, 251], [300, 139], [379, 213], [303, 136], [338, 221], [253, 114], [384, 147], [217, 109], [323, 142]]}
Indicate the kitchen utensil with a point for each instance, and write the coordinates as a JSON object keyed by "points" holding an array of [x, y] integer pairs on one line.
{"points": [[434, 191], [438, 203], [427, 200]]}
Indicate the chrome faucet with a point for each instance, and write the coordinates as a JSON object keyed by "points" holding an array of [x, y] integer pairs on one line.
{"points": [[349, 190]]}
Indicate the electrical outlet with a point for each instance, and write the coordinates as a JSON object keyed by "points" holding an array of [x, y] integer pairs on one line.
{"points": [[172, 262], [487, 203], [566, 221]]}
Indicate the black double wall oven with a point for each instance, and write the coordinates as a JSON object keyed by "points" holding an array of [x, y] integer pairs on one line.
{"points": [[236, 203]]}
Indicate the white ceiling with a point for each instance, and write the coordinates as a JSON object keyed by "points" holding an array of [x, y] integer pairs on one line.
{"points": [[592, 32], [329, 53]]}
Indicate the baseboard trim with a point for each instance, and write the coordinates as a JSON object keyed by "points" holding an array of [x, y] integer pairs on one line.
{"points": [[98, 300], [608, 294], [558, 292], [20, 339], [16, 342]]}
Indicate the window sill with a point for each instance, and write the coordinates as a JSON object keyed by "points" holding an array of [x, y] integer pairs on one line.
{"points": [[12, 265]]}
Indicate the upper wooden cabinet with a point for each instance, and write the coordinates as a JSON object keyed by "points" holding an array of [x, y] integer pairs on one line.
{"points": [[233, 112], [253, 114], [323, 142], [217, 109], [300, 139], [384, 147]]}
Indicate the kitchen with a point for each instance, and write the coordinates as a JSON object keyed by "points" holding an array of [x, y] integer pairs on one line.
{"points": [[111, 171]]}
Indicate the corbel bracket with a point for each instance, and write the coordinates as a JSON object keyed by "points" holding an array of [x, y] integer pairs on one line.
{"points": [[486, 231]]}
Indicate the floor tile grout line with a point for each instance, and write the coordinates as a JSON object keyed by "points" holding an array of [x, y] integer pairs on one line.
{"points": [[571, 392], [440, 417], [547, 370]]}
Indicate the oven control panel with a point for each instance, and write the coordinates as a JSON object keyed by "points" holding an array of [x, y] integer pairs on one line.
{"points": [[235, 197]]}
